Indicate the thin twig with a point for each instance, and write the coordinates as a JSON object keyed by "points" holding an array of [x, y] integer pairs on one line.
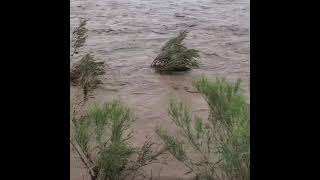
{"points": [[82, 158]]}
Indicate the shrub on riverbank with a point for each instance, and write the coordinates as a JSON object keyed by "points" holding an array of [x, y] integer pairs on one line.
{"points": [[103, 137], [221, 144]]}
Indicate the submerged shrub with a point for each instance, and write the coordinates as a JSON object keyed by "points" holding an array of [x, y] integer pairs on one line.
{"points": [[86, 74], [79, 36], [174, 56], [221, 143]]}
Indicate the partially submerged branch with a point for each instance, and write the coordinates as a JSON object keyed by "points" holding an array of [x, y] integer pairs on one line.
{"points": [[79, 36], [86, 74], [174, 56]]}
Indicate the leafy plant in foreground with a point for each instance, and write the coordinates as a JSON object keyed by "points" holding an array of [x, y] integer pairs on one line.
{"points": [[218, 148], [108, 128]]}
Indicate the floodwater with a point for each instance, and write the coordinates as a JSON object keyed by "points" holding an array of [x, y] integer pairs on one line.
{"points": [[127, 35]]}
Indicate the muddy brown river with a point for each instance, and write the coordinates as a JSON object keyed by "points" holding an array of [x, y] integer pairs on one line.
{"points": [[127, 35]]}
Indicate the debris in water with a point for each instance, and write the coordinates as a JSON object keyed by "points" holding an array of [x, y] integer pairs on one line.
{"points": [[174, 56]]}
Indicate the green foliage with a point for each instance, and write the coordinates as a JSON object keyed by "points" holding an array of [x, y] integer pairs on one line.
{"points": [[81, 134], [100, 116], [174, 56], [113, 118], [86, 74], [175, 147], [115, 157], [230, 116], [120, 120], [199, 128], [113, 152], [225, 100], [222, 144], [113, 160]]}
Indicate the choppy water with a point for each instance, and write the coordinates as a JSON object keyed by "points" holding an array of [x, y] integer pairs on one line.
{"points": [[127, 35]]}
